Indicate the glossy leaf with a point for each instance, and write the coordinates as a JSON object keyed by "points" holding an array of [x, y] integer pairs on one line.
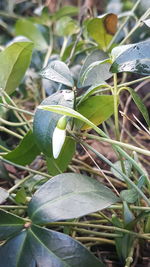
{"points": [[59, 72], [139, 103], [43, 247], [45, 122], [28, 29], [14, 61], [10, 224], [66, 26], [102, 29], [92, 90], [134, 59], [68, 196], [95, 76], [56, 166], [96, 73], [17, 252], [97, 109], [25, 152], [3, 195]]}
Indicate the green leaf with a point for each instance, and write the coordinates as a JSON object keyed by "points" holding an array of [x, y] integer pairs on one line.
{"points": [[45, 122], [14, 61], [102, 29], [68, 196], [147, 22], [16, 252], [92, 90], [99, 73], [66, 11], [3, 195], [28, 29], [96, 73], [139, 103], [117, 165], [66, 26], [56, 166], [10, 224], [25, 152], [128, 216], [136, 58], [21, 196], [43, 247], [97, 109], [59, 72]]}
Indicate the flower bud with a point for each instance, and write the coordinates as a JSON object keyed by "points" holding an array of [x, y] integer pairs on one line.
{"points": [[59, 136]]}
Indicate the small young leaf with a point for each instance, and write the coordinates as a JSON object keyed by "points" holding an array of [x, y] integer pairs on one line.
{"points": [[59, 72], [133, 59], [97, 109], [9, 224], [14, 61], [72, 195], [28, 29], [21, 196], [66, 26], [25, 152]]}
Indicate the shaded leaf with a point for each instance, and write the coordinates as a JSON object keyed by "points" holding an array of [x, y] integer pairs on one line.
{"points": [[92, 90], [28, 29], [10, 224], [139, 103], [21, 196], [97, 109], [117, 165], [25, 152], [56, 166], [135, 58], [68, 196], [14, 61], [45, 122], [59, 72]]}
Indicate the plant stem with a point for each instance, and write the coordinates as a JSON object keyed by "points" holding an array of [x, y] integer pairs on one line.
{"points": [[17, 109], [111, 141], [115, 96], [3, 129], [82, 230], [12, 207], [134, 81], [4, 148], [100, 240], [104, 227], [14, 124]]}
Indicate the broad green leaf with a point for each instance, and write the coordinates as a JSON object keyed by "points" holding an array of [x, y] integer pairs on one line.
{"points": [[97, 109], [59, 165], [16, 252], [28, 29], [9, 224], [96, 73], [139, 103], [45, 122], [68, 196], [95, 76], [102, 29], [38, 246], [66, 26], [117, 165], [57, 71], [3, 195], [25, 152], [136, 58], [14, 61], [92, 90]]}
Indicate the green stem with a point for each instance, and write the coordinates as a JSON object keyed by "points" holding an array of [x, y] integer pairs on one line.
{"points": [[134, 81], [17, 109], [14, 124], [97, 239], [4, 148], [104, 227], [3, 129], [12, 207], [115, 96], [82, 230]]}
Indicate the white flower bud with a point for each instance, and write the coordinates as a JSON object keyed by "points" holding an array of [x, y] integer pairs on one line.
{"points": [[59, 136]]}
